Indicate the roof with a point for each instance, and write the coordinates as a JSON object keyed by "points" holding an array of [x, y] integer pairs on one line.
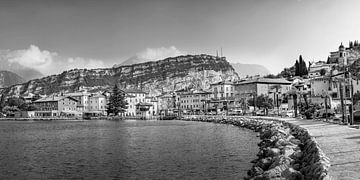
{"points": [[143, 104], [129, 95], [265, 81], [222, 83], [97, 96], [77, 94], [54, 99], [137, 91], [196, 92], [167, 95]]}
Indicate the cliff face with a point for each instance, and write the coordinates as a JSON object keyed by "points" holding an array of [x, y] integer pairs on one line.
{"points": [[173, 73]]}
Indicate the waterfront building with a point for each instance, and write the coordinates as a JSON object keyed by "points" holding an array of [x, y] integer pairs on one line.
{"points": [[143, 110], [194, 101], [55, 106], [97, 104], [83, 100], [155, 105], [276, 89], [223, 90], [167, 103], [133, 97]]}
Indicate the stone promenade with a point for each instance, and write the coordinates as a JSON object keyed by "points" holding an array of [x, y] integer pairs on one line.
{"points": [[340, 143]]}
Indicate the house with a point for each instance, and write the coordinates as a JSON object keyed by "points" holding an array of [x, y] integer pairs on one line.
{"points": [[56, 106], [320, 68]]}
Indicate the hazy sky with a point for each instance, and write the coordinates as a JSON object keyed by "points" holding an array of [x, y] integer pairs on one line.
{"points": [[102, 32]]}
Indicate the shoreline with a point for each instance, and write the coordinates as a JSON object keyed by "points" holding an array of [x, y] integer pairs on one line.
{"points": [[285, 150]]}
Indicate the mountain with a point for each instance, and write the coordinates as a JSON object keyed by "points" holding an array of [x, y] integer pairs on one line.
{"points": [[244, 70], [8, 78], [193, 71], [12, 66], [132, 60]]}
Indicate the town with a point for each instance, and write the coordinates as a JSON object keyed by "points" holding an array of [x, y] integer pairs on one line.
{"points": [[324, 89]]}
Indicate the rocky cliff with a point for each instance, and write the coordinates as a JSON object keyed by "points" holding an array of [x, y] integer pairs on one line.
{"points": [[196, 71]]}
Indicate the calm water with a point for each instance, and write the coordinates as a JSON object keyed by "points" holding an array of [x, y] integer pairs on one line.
{"points": [[124, 150]]}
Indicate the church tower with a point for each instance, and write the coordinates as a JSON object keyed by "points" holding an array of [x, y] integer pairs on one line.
{"points": [[342, 55]]}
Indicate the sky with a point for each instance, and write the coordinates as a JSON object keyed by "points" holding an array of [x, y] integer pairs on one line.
{"points": [[54, 35]]}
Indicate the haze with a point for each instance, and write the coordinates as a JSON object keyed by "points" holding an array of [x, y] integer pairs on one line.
{"points": [[52, 36]]}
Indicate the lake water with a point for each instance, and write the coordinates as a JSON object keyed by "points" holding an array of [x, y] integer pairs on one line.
{"points": [[124, 150]]}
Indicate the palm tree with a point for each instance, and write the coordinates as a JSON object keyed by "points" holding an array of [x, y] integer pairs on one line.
{"points": [[276, 98], [294, 93]]}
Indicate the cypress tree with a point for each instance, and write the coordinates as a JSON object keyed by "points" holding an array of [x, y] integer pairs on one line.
{"points": [[302, 67], [297, 68], [328, 60]]}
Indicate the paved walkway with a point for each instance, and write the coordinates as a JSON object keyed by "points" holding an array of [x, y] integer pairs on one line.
{"points": [[340, 143]]}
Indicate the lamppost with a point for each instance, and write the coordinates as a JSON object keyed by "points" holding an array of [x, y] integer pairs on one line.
{"points": [[325, 95]]}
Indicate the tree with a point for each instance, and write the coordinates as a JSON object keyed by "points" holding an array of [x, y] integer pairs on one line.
{"points": [[297, 68], [116, 102], [262, 101], [328, 60], [356, 97], [300, 67], [10, 110], [2, 102], [322, 72]]}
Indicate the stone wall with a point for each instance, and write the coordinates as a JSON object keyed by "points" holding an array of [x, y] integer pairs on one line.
{"points": [[286, 151]]}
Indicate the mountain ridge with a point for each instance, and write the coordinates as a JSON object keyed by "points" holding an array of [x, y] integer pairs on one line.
{"points": [[244, 70], [172, 73]]}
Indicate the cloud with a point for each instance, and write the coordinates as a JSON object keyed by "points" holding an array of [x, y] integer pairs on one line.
{"points": [[48, 62], [159, 53]]}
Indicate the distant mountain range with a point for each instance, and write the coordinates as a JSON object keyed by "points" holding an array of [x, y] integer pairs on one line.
{"points": [[25, 72], [132, 60], [244, 70], [8, 78]]}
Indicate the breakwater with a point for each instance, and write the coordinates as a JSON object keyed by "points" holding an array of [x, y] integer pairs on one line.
{"points": [[286, 151]]}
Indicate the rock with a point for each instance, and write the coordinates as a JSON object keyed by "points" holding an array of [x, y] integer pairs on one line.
{"points": [[275, 172], [295, 141], [264, 163], [292, 174], [255, 171], [272, 152], [280, 160]]}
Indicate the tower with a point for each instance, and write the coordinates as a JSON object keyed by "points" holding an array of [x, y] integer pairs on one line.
{"points": [[342, 55]]}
